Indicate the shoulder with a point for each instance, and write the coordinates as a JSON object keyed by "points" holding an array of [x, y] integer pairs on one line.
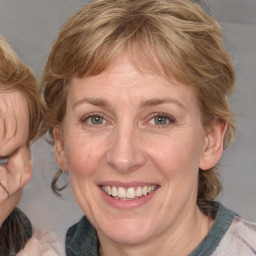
{"points": [[239, 239], [229, 235], [43, 244], [81, 227], [81, 239]]}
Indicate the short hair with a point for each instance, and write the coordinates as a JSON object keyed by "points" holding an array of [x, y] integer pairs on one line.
{"points": [[16, 76], [174, 38]]}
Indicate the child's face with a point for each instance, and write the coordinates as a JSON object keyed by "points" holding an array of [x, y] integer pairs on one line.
{"points": [[15, 158]]}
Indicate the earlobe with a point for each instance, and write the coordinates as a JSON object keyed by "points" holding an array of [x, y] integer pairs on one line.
{"points": [[59, 149], [213, 146]]}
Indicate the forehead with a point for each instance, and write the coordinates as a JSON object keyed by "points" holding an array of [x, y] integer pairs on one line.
{"points": [[14, 120], [124, 79]]}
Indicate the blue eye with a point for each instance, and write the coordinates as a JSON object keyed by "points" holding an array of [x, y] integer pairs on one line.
{"points": [[96, 120], [4, 160], [161, 120]]}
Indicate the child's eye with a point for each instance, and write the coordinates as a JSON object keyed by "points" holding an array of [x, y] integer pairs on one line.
{"points": [[161, 120], [4, 160]]}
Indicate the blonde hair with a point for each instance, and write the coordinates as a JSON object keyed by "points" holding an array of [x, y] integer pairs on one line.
{"points": [[16, 76], [174, 38]]}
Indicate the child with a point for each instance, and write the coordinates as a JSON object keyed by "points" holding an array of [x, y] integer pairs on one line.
{"points": [[21, 110]]}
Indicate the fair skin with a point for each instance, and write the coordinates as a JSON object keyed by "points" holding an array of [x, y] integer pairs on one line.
{"points": [[15, 158], [125, 130]]}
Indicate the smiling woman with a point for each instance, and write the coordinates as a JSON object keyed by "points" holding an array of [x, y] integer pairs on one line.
{"points": [[140, 117]]}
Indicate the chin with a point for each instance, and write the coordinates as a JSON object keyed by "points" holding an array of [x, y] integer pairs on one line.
{"points": [[130, 232]]}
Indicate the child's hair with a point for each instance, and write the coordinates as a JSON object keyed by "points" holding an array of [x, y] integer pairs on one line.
{"points": [[16, 76]]}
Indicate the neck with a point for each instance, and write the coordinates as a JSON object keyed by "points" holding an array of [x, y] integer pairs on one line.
{"points": [[184, 236]]}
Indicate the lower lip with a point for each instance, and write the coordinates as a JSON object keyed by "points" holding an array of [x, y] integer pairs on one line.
{"points": [[127, 204]]}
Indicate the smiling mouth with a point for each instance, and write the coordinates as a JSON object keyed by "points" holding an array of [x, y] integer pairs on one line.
{"points": [[131, 193]]}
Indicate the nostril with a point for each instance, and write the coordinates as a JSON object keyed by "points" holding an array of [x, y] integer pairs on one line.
{"points": [[126, 164]]}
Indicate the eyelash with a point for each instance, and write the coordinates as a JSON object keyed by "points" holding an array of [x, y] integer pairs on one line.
{"points": [[169, 119], [85, 118]]}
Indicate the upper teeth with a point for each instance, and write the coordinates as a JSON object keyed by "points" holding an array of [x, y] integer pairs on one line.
{"points": [[130, 193]]}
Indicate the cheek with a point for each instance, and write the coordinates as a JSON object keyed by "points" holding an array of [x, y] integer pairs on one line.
{"points": [[26, 157], [176, 156], [83, 155], [178, 167], [28, 174]]}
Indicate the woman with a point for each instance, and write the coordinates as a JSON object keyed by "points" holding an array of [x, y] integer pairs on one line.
{"points": [[136, 100], [21, 111]]}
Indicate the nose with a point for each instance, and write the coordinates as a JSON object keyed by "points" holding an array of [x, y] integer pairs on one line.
{"points": [[125, 152]]}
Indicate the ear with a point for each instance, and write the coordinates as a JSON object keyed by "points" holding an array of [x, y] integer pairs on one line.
{"points": [[214, 146], [60, 154]]}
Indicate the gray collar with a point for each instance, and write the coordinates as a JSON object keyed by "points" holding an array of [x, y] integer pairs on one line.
{"points": [[82, 239]]}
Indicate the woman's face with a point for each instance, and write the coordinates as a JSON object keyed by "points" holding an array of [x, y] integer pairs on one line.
{"points": [[15, 158], [133, 143]]}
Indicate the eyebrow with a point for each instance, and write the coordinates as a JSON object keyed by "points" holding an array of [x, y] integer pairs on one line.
{"points": [[93, 101], [147, 103], [156, 101]]}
